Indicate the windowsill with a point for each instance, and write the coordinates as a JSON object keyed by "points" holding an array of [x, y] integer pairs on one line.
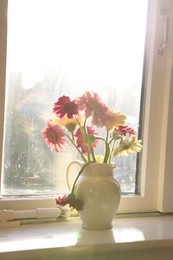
{"points": [[129, 238]]}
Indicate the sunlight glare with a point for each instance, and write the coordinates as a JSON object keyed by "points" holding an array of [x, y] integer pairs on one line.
{"points": [[85, 40]]}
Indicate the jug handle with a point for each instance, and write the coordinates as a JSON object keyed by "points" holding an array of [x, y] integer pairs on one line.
{"points": [[69, 172]]}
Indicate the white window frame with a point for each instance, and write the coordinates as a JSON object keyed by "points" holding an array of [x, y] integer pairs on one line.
{"points": [[157, 166]]}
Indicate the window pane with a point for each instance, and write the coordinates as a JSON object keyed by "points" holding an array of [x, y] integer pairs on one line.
{"points": [[65, 48]]}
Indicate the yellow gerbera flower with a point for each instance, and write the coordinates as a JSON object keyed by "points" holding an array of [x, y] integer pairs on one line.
{"points": [[69, 123], [99, 158], [114, 119], [131, 145]]}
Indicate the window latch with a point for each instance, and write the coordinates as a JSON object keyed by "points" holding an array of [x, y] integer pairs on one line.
{"points": [[162, 46]]}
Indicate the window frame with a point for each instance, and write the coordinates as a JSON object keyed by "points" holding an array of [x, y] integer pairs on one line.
{"points": [[157, 166]]}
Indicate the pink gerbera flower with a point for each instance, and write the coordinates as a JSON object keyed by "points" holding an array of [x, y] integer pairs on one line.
{"points": [[92, 105], [90, 139], [64, 106], [54, 136], [123, 130]]}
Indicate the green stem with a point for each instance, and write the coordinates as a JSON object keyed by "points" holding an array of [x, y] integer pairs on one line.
{"points": [[113, 145], [81, 170], [76, 148], [107, 149], [82, 129], [92, 153], [86, 140], [112, 149]]}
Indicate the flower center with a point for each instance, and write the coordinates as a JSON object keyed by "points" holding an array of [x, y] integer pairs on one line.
{"points": [[69, 107], [52, 136]]}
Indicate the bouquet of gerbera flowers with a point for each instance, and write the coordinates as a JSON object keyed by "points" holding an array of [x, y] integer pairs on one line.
{"points": [[76, 121]]}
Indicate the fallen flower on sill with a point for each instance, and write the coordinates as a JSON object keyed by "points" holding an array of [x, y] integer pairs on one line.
{"points": [[71, 200]]}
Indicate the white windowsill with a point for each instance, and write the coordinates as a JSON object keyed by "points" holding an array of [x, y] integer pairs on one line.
{"points": [[130, 238]]}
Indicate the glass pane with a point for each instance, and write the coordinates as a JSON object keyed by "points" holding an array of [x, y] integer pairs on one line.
{"points": [[60, 48]]}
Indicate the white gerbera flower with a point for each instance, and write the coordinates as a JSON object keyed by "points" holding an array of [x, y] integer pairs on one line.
{"points": [[131, 145]]}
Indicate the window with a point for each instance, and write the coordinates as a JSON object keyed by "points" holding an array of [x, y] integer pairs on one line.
{"points": [[35, 79], [79, 47]]}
